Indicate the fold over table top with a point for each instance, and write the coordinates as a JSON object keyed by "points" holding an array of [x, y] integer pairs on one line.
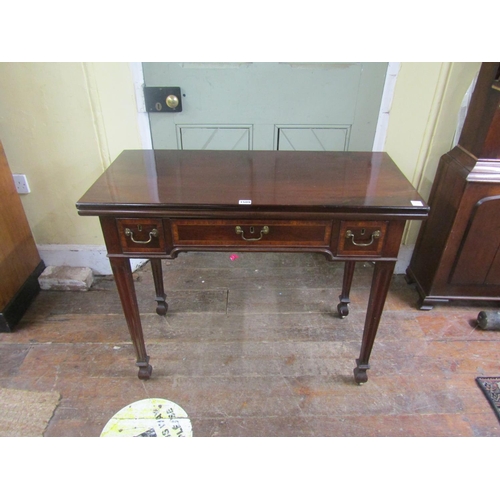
{"points": [[298, 181]]}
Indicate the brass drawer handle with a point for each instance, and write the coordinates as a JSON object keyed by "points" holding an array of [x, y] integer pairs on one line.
{"points": [[263, 231], [375, 235], [152, 234]]}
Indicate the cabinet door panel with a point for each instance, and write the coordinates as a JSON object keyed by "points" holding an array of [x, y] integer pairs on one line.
{"points": [[493, 277], [480, 245]]}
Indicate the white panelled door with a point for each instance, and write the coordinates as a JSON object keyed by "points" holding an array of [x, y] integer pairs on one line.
{"points": [[266, 106]]}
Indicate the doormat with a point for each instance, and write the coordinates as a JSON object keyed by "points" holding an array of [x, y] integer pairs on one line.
{"points": [[491, 388], [26, 413]]}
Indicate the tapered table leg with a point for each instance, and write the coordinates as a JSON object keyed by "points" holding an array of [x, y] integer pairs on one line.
{"points": [[343, 306], [126, 290], [161, 297], [382, 275]]}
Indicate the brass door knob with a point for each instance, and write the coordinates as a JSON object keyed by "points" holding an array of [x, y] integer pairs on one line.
{"points": [[172, 101]]}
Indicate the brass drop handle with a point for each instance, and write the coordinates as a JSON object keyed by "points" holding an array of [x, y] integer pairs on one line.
{"points": [[172, 101], [375, 235], [153, 234], [263, 231]]}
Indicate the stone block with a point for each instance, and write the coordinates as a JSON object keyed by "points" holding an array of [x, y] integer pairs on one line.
{"points": [[66, 278]]}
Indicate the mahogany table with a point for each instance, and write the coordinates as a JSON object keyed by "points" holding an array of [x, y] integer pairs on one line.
{"points": [[350, 206]]}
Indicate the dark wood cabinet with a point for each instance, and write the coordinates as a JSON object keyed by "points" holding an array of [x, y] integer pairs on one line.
{"points": [[457, 253], [20, 263]]}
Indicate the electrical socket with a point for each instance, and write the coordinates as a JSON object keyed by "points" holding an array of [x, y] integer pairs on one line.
{"points": [[21, 183]]}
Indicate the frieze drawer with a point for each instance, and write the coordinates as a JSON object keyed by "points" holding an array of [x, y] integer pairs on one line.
{"points": [[220, 233], [361, 238], [141, 235]]}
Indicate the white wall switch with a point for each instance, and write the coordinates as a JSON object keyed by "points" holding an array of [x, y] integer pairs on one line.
{"points": [[21, 183]]}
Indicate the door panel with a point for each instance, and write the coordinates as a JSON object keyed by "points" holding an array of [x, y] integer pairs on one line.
{"points": [[214, 137], [311, 106], [312, 138]]}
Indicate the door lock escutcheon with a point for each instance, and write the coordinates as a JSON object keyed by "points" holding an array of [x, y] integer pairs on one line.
{"points": [[163, 99]]}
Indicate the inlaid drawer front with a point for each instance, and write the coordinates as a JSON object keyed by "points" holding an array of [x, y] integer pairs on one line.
{"points": [[141, 235], [361, 237], [251, 233]]}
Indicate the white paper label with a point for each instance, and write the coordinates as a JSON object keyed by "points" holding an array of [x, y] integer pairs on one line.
{"points": [[417, 203], [245, 202]]}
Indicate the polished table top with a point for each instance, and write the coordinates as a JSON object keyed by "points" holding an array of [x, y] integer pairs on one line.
{"points": [[254, 180]]}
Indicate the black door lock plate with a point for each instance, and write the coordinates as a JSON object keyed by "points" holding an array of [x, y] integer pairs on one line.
{"points": [[163, 99]]}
